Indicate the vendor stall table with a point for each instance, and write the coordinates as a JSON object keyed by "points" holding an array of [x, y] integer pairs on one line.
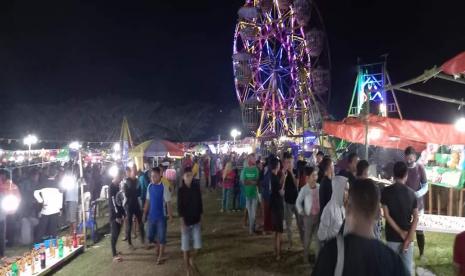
{"points": [[53, 262], [56, 263], [450, 201], [441, 224]]}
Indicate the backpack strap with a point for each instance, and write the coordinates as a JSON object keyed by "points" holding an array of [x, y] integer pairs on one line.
{"points": [[340, 256]]}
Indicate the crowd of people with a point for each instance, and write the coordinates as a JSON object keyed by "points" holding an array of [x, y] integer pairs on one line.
{"points": [[46, 204], [145, 197], [338, 209], [330, 206]]}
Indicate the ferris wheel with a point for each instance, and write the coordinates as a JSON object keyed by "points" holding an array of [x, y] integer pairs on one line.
{"points": [[281, 66]]}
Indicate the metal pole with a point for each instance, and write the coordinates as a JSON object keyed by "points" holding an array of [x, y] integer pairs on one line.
{"points": [[83, 208], [434, 97], [393, 93], [449, 78], [367, 114], [353, 94]]}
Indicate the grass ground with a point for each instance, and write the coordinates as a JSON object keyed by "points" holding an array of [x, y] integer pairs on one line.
{"points": [[227, 250]]}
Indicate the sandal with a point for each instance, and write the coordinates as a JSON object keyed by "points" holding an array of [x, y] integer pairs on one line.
{"points": [[161, 260], [117, 259]]}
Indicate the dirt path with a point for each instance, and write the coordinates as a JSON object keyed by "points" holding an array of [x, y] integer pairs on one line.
{"points": [[227, 250]]}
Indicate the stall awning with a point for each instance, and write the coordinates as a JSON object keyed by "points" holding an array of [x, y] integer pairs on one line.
{"points": [[455, 65], [394, 133], [157, 148]]}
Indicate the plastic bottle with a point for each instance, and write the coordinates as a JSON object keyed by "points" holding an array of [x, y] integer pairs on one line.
{"points": [[42, 257], [33, 263], [60, 248], [52, 250], [75, 241], [14, 269]]}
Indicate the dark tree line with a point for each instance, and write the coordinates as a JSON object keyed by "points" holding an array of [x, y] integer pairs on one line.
{"points": [[100, 119]]}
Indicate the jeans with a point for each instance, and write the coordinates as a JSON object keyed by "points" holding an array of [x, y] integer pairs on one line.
{"points": [[213, 181], [48, 227], [157, 228], [289, 211], [236, 199], [377, 228], [251, 205], [207, 180], [242, 196], [115, 228], [191, 233], [310, 224], [407, 256], [137, 213], [226, 195], [27, 230]]}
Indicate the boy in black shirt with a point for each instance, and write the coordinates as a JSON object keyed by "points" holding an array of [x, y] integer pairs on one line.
{"points": [[401, 213], [290, 196], [132, 192], [190, 209], [351, 168], [116, 213], [358, 253]]}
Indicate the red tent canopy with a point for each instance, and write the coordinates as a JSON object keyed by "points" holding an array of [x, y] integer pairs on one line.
{"points": [[394, 133], [455, 66]]}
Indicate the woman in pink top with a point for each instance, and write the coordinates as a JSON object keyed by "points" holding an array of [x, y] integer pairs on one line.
{"points": [[229, 177]]}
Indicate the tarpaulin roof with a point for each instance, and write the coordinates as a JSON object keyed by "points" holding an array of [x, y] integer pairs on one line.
{"points": [[455, 66], [394, 133], [157, 148]]}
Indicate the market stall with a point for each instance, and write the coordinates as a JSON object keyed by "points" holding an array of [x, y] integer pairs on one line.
{"points": [[155, 149], [441, 146], [45, 257], [441, 224]]}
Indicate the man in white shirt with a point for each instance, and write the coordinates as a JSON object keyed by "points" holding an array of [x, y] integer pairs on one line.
{"points": [[52, 202], [71, 205]]}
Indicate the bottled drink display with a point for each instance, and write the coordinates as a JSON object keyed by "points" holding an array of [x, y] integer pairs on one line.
{"points": [[60, 248], [52, 250], [14, 269], [75, 241], [42, 257], [33, 262]]}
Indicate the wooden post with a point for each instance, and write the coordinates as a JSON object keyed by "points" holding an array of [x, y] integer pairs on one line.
{"points": [[430, 199], [438, 198], [461, 202], [450, 206]]}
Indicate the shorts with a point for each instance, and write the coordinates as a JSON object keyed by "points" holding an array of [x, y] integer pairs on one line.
{"points": [[157, 229], [277, 218], [71, 208], [191, 233]]}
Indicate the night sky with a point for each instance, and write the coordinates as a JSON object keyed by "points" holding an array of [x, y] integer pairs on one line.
{"points": [[180, 51]]}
